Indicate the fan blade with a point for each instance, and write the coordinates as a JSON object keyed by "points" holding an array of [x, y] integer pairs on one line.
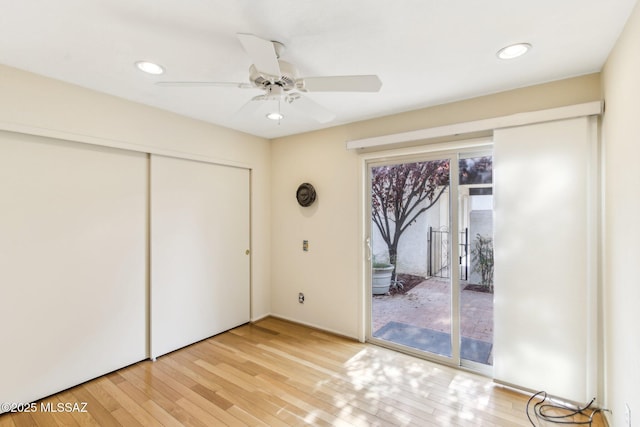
{"points": [[262, 53], [205, 84], [250, 107], [368, 83], [310, 108]]}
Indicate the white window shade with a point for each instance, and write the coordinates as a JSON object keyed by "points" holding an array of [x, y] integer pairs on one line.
{"points": [[545, 268]]}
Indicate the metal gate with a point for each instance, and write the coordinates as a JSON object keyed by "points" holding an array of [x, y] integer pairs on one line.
{"points": [[438, 263]]}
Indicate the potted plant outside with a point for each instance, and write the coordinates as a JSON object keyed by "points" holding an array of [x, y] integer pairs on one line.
{"points": [[381, 278]]}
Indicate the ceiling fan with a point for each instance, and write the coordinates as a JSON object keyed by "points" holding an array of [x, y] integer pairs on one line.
{"points": [[280, 81]]}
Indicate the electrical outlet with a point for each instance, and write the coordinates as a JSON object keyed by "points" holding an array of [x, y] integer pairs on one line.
{"points": [[301, 298], [627, 415]]}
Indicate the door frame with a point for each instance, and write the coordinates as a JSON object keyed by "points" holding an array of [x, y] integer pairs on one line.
{"points": [[421, 153]]}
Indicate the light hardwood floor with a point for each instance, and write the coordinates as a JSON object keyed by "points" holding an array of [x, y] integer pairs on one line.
{"points": [[276, 373]]}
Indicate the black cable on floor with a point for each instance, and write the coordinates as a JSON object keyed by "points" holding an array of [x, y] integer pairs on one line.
{"points": [[560, 414]]}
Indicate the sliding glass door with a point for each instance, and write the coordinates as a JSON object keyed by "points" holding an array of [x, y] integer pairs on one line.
{"points": [[422, 263]]}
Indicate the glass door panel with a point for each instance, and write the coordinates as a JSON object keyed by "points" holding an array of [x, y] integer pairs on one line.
{"points": [[475, 242], [411, 248]]}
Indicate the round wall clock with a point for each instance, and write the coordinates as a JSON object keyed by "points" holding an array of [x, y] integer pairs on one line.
{"points": [[306, 194]]}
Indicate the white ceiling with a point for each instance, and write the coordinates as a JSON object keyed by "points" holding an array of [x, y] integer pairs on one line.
{"points": [[426, 52]]}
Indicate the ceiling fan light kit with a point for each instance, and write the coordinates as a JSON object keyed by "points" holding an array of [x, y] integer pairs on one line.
{"points": [[280, 81], [275, 116]]}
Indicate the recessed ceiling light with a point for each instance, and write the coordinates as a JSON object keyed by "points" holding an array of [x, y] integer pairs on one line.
{"points": [[149, 67], [275, 116], [514, 51]]}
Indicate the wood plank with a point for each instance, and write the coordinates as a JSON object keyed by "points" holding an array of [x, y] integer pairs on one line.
{"points": [[99, 414], [6, 421], [127, 403], [24, 419], [190, 399]]}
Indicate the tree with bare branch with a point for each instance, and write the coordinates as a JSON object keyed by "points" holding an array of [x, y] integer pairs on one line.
{"points": [[398, 195]]}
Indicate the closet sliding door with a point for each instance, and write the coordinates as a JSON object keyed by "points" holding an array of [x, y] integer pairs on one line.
{"points": [[546, 181], [199, 251], [73, 263]]}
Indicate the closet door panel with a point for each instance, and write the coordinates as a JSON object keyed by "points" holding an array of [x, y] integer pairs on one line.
{"points": [[199, 243], [73, 249]]}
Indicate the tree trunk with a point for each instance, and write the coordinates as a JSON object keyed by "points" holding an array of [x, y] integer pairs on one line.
{"points": [[393, 258]]}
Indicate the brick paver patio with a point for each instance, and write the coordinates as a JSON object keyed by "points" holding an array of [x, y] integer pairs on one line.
{"points": [[428, 306]]}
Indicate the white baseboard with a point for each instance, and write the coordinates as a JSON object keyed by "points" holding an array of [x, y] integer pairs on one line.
{"points": [[314, 326]]}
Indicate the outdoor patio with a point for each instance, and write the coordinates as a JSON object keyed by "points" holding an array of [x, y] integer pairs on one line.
{"points": [[427, 305]]}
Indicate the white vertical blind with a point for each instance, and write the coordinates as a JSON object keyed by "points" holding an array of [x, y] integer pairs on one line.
{"points": [[543, 260], [73, 221], [199, 235]]}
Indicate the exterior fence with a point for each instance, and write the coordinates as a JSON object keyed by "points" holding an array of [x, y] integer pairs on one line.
{"points": [[439, 253]]}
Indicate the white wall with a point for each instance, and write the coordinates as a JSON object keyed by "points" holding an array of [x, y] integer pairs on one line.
{"points": [[481, 203], [413, 248], [43, 106], [330, 274], [621, 139]]}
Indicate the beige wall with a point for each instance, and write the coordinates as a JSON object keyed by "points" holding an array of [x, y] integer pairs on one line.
{"points": [[46, 107], [330, 273], [532, 98], [621, 139]]}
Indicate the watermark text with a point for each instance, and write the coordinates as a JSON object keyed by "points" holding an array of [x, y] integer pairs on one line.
{"points": [[43, 407]]}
